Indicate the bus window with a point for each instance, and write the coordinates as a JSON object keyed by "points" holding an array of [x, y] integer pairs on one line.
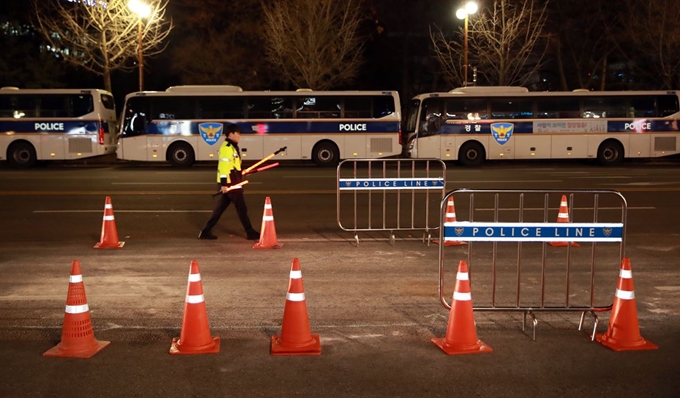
{"points": [[598, 107], [54, 106], [136, 116], [667, 105], [82, 105], [383, 106], [108, 102], [25, 106], [556, 108], [358, 107], [282, 107], [177, 108], [213, 107], [511, 108], [267, 107], [642, 107], [431, 115], [318, 107], [466, 108]]}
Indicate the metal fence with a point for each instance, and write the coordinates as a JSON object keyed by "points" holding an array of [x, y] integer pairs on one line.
{"points": [[510, 253], [390, 195]]}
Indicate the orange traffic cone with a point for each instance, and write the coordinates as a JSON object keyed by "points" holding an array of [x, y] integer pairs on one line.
{"points": [[296, 337], [563, 216], [268, 230], [623, 333], [461, 334], [195, 336], [450, 217], [77, 338], [109, 236]]}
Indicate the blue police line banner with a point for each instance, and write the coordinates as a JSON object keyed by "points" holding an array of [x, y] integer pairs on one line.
{"points": [[363, 184], [532, 232]]}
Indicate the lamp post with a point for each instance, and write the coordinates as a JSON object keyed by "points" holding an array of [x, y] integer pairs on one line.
{"points": [[463, 13], [143, 11]]}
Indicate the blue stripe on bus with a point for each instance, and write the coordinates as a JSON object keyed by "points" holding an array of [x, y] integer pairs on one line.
{"points": [[52, 126], [278, 127], [624, 126]]}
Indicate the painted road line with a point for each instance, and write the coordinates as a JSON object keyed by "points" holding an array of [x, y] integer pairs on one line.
{"points": [[208, 211]]}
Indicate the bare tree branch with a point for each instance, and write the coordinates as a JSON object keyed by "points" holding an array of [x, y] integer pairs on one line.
{"points": [[651, 31], [502, 43], [100, 36], [314, 42]]}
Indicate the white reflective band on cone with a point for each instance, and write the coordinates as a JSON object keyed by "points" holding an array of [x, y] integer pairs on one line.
{"points": [[450, 215], [194, 277], [75, 278], [267, 206], [77, 309], [267, 218], [195, 299], [462, 276], [462, 296], [563, 215], [295, 297], [109, 218], [626, 274], [625, 294], [295, 274], [108, 206]]}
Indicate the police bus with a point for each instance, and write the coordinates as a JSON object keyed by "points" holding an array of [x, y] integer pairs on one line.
{"points": [[184, 124], [473, 124], [55, 124]]}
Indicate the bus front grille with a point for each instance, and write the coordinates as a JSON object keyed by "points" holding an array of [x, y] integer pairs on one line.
{"points": [[381, 145], [667, 144], [79, 145]]}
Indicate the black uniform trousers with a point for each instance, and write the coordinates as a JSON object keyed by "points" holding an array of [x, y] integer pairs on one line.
{"points": [[225, 199]]}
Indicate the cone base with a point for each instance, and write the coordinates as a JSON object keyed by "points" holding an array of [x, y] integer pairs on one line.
{"points": [[211, 348], [450, 242], [279, 349], [60, 351], [639, 345], [276, 245], [563, 244], [101, 245], [479, 348]]}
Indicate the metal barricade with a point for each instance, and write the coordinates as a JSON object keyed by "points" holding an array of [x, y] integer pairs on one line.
{"points": [[510, 237], [390, 195]]}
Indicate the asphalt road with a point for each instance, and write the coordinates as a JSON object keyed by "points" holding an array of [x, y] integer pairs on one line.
{"points": [[375, 304]]}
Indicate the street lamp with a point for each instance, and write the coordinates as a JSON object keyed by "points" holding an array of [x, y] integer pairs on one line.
{"points": [[143, 11], [463, 13]]}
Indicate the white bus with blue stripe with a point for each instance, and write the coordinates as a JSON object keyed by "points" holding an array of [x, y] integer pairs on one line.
{"points": [[185, 124], [55, 124], [474, 124]]}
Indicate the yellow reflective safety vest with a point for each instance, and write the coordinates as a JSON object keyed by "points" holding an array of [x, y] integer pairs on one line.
{"points": [[229, 165]]}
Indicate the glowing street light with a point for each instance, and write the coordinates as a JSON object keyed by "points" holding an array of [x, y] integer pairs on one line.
{"points": [[142, 10], [463, 13]]}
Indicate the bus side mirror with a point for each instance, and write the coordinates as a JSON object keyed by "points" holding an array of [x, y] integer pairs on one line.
{"points": [[138, 124]]}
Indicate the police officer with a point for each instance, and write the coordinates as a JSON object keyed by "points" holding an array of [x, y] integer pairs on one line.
{"points": [[229, 174]]}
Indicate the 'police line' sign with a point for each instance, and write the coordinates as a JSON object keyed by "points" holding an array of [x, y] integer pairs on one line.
{"points": [[390, 183], [533, 232]]}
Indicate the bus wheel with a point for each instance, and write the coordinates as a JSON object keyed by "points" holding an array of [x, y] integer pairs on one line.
{"points": [[471, 154], [181, 155], [609, 153], [21, 155], [326, 154]]}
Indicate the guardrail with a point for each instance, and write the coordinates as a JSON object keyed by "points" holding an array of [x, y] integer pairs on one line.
{"points": [[510, 238], [390, 195]]}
